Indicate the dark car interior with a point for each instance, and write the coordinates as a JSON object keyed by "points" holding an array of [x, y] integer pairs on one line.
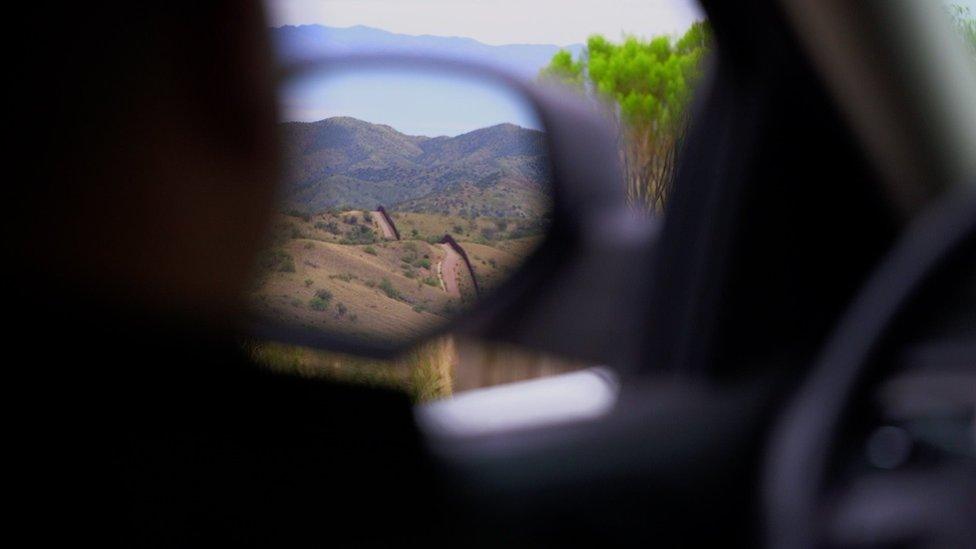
{"points": [[795, 339]]}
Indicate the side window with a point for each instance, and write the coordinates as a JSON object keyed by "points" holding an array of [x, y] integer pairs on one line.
{"points": [[396, 194]]}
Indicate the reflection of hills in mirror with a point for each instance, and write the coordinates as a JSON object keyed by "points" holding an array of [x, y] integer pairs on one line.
{"points": [[382, 235]]}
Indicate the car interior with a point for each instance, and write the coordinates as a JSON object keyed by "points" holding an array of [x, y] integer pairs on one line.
{"points": [[785, 356]]}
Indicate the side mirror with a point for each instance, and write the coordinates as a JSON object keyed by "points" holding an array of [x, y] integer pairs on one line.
{"points": [[420, 195]]}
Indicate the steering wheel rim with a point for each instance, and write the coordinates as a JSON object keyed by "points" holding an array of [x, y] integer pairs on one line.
{"points": [[795, 476]]}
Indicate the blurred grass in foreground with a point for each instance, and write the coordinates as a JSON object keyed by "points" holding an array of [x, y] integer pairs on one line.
{"points": [[433, 370], [424, 372]]}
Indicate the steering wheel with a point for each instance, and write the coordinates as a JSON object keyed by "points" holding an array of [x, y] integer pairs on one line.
{"points": [[797, 485]]}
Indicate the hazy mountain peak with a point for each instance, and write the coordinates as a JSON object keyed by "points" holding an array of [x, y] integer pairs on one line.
{"points": [[295, 42]]}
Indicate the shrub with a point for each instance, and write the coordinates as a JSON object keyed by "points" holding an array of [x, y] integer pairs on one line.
{"points": [[424, 262], [351, 219], [309, 282], [309, 245], [277, 261], [432, 281], [367, 217], [370, 250], [341, 309], [318, 304], [330, 227], [324, 295], [360, 235], [387, 287]]}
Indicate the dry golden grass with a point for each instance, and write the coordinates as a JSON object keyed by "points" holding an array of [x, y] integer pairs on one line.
{"points": [[433, 226], [387, 290], [520, 247], [371, 294], [425, 372], [492, 266], [436, 369]]}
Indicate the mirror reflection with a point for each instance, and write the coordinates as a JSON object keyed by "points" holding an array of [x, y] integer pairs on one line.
{"points": [[407, 197]]}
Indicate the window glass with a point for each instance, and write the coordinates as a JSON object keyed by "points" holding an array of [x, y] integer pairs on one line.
{"points": [[641, 60]]}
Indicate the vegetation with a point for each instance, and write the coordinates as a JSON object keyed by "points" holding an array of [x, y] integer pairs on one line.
{"points": [[330, 226], [424, 373], [321, 300], [499, 171], [276, 260], [965, 24], [650, 83], [362, 234], [387, 288]]}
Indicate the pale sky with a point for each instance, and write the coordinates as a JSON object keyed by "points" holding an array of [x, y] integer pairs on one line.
{"points": [[560, 22]]}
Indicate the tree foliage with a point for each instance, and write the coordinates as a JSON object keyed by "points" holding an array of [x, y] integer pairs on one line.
{"points": [[650, 83], [965, 23]]}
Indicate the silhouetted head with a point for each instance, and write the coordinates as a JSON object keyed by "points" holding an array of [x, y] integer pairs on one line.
{"points": [[149, 152]]}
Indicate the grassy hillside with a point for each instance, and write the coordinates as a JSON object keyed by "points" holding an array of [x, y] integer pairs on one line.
{"points": [[335, 272], [484, 230]]}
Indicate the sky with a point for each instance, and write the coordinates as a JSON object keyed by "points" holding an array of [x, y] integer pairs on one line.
{"points": [[431, 106], [560, 22], [413, 103], [423, 106]]}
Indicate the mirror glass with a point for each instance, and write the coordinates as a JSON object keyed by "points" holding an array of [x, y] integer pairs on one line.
{"points": [[407, 197]]}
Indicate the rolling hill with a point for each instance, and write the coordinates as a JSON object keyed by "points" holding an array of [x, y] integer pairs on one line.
{"points": [[335, 271], [341, 162]]}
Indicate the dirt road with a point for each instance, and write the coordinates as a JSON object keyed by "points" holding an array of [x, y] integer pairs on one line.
{"points": [[447, 270], [385, 227]]}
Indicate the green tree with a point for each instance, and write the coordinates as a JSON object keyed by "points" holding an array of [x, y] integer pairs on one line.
{"points": [[564, 70], [965, 23], [650, 84]]}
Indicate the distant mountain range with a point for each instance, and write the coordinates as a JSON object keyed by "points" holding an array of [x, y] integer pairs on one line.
{"points": [[304, 41], [499, 171]]}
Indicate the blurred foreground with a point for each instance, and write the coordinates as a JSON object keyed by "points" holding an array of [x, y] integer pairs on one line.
{"points": [[429, 371]]}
